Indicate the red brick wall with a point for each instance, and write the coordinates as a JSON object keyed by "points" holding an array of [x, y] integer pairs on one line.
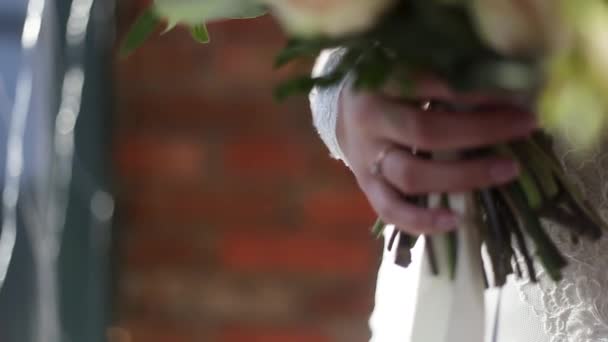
{"points": [[234, 225]]}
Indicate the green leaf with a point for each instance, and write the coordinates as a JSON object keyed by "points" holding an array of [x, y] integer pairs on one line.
{"points": [[451, 241], [378, 228], [373, 69], [429, 249], [530, 188], [304, 84], [525, 180], [145, 25], [297, 48], [200, 33], [496, 238], [541, 173], [572, 190], [548, 254], [512, 220], [298, 85]]}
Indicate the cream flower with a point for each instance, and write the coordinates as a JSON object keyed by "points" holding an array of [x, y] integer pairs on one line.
{"points": [[519, 27], [328, 17], [571, 105], [195, 12], [593, 31]]}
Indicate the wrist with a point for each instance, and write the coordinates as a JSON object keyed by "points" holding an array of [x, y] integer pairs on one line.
{"points": [[341, 125]]}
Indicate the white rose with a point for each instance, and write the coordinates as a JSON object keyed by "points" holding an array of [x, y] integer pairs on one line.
{"points": [[571, 105], [195, 12], [593, 31], [328, 17], [519, 27]]}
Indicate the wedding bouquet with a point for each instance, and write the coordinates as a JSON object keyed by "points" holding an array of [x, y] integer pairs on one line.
{"points": [[552, 53]]}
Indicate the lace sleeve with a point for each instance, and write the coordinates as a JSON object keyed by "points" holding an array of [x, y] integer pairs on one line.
{"points": [[324, 102], [576, 308]]}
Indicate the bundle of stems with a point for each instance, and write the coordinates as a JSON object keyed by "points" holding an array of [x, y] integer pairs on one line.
{"points": [[510, 216]]}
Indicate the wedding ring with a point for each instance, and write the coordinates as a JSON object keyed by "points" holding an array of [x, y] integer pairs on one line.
{"points": [[426, 105], [376, 167]]}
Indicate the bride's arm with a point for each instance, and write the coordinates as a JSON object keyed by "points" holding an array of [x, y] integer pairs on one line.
{"points": [[369, 130]]}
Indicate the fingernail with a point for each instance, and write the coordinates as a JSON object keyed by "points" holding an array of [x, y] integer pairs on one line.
{"points": [[447, 222], [504, 171]]}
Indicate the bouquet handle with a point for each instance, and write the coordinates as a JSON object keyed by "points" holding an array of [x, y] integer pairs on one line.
{"points": [[452, 309]]}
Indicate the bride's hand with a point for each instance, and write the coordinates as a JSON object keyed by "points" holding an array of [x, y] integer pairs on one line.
{"points": [[377, 132]]}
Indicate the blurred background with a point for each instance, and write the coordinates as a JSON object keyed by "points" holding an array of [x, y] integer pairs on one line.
{"points": [[192, 206]]}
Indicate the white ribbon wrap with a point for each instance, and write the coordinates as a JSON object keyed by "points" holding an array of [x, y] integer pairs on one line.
{"points": [[446, 309]]}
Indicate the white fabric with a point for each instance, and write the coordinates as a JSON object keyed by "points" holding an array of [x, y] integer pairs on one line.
{"points": [[440, 300], [393, 313], [574, 310], [325, 101]]}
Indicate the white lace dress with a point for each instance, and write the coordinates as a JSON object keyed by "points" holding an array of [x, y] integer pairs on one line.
{"points": [[574, 310]]}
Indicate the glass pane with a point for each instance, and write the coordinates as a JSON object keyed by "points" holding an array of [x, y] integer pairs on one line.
{"points": [[48, 296]]}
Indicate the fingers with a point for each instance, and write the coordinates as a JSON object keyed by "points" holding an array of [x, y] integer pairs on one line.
{"points": [[393, 208], [442, 130], [427, 87], [414, 176], [370, 121], [403, 175]]}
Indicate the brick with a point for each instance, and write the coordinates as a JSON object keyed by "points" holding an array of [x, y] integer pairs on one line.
{"points": [[303, 254], [154, 251], [143, 3], [211, 297], [235, 225], [127, 11], [200, 113], [266, 33], [200, 209], [347, 210], [273, 334], [345, 298], [170, 159], [349, 329], [170, 59], [151, 331], [215, 68], [264, 156], [330, 170], [246, 62]]}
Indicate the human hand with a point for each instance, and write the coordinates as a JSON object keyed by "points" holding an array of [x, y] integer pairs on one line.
{"points": [[380, 131]]}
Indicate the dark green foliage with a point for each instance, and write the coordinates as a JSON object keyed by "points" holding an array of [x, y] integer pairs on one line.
{"points": [[415, 36]]}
